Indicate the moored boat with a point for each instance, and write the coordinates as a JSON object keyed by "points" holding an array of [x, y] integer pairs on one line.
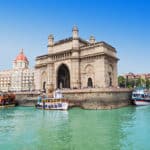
{"points": [[141, 97], [57, 102], [7, 100], [53, 104]]}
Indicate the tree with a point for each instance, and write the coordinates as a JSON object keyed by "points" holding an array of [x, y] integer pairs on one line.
{"points": [[140, 82], [121, 81], [143, 82], [130, 83], [147, 83]]}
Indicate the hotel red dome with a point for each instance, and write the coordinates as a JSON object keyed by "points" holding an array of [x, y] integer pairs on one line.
{"points": [[21, 57]]}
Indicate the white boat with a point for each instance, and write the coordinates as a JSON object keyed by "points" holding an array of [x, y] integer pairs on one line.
{"points": [[141, 97], [55, 103]]}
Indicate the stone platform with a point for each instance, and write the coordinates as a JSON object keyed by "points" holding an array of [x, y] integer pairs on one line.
{"points": [[107, 98], [101, 98], [26, 98]]}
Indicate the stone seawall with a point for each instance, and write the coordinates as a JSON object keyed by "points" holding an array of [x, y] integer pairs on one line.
{"points": [[98, 98], [26, 99], [86, 98]]}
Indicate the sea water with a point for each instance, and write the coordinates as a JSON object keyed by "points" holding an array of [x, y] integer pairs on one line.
{"points": [[26, 128]]}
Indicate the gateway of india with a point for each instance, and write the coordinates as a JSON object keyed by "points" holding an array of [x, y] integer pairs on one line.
{"points": [[75, 63]]}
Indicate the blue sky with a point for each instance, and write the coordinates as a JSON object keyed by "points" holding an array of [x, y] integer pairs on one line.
{"points": [[125, 24]]}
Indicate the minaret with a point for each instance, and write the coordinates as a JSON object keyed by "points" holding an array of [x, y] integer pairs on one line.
{"points": [[75, 36], [50, 43]]}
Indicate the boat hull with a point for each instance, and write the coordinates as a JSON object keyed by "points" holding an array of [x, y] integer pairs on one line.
{"points": [[7, 106], [141, 96], [141, 102], [53, 106]]}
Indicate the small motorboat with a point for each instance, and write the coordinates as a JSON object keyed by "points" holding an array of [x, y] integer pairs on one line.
{"points": [[141, 96], [57, 102], [52, 104]]}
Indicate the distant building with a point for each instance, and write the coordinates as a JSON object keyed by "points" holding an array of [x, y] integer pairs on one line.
{"points": [[131, 75], [77, 63], [20, 77]]}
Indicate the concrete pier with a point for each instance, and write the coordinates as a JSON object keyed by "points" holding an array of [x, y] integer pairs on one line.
{"points": [[107, 98]]}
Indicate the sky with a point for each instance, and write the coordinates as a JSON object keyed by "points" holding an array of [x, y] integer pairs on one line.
{"points": [[124, 24]]}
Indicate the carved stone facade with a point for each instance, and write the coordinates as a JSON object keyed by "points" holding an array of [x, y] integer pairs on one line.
{"points": [[76, 63]]}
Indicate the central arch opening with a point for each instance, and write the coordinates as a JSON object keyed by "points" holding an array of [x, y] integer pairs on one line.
{"points": [[63, 77]]}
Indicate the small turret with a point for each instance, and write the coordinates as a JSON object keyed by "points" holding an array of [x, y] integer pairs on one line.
{"points": [[92, 40], [75, 32], [50, 40], [75, 36], [50, 43]]}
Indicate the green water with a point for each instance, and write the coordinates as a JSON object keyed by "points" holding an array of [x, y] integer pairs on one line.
{"points": [[25, 128]]}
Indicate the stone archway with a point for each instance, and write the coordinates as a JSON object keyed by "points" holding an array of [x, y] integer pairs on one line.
{"points": [[89, 83], [110, 75], [89, 76], [63, 77], [44, 87]]}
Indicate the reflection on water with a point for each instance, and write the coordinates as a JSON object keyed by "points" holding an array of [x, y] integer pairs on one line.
{"points": [[28, 128]]}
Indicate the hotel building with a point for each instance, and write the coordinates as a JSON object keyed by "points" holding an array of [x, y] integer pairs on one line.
{"points": [[20, 77]]}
